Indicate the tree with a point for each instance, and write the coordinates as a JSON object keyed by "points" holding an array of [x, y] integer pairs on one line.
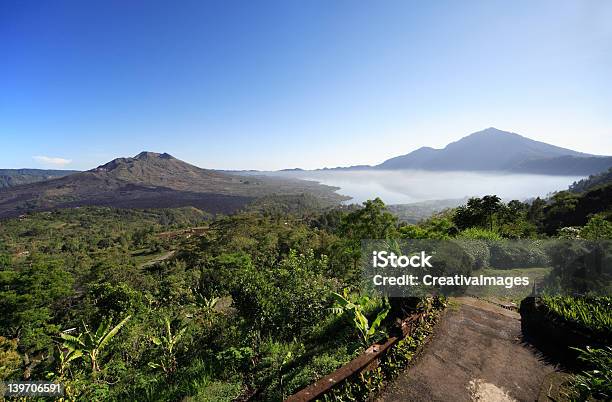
{"points": [[561, 211], [30, 301], [490, 205], [597, 228], [373, 221], [535, 213], [478, 212], [470, 215]]}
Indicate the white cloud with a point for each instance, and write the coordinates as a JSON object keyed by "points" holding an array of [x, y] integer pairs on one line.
{"points": [[54, 161]]}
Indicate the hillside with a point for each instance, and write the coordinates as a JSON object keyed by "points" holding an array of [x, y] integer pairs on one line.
{"points": [[565, 165], [592, 181], [576, 205], [497, 150], [152, 180], [16, 177]]}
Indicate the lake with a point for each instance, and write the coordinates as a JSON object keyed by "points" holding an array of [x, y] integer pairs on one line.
{"points": [[408, 186]]}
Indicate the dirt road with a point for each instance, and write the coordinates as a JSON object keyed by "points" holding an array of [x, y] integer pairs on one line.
{"points": [[157, 259], [476, 354]]}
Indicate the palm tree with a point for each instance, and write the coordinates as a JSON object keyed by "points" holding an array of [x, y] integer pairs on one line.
{"points": [[91, 343]]}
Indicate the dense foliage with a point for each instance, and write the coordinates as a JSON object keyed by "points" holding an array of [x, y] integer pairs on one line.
{"points": [[99, 296], [595, 382], [591, 314], [169, 304]]}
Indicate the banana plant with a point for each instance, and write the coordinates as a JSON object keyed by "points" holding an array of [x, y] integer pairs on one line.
{"points": [[344, 305], [91, 343], [67, 353], [168, 343], [208, 304]]}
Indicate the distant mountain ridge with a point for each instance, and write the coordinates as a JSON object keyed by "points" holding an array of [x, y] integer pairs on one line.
{"points": [[153, 180], [496, 150], [16, 177]]}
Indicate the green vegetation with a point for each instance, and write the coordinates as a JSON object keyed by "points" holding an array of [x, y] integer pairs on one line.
{"points": [[571, 321], [592, 314], [567, 208], [596, 382], [355, 308], [361, 387], [592, 181], [223, 307], [90, 343], [242, 307]]}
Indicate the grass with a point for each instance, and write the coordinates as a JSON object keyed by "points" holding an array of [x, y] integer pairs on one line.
{"points": [[217, 391], [144, 256]]}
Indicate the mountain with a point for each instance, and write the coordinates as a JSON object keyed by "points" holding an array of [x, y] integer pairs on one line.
{"points": [[497, 150], [16, 177], [154, 180]]}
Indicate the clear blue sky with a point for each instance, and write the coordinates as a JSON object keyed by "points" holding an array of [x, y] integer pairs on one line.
{"points": [[312, 83]]}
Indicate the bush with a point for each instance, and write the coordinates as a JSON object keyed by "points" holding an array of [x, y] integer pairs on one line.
{"points": [[590, 314], [479, 234], [597, 228], [581, 266], [596, 382], [478, 250], [518, 254], [286, 299], [10, 360]]}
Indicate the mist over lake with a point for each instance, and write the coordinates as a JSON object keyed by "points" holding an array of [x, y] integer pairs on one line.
{"points": [[408, 186]]}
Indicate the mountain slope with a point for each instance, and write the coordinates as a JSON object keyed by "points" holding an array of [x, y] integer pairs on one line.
{"points": [[16, 177], [152, 180], [566, 165], [414, 160], [496, 150]]}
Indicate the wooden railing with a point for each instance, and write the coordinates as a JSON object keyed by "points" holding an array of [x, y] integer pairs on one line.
{"points": [[368, 360]]}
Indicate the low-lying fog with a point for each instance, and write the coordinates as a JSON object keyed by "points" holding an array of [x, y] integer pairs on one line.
{"points": [[407, 186]]}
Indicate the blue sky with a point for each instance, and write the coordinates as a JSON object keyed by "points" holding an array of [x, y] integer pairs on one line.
{"points": [[269, 85]]}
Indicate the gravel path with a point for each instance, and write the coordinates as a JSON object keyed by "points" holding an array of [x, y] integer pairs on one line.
{"points": [[476, 354]]}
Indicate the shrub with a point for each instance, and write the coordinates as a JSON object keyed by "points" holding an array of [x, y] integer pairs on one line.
{"points": [[592, 314], [518, 254], [479, 234], [10, 360], [597, 228], [597, 381], [478, 250], [285, 299]]}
